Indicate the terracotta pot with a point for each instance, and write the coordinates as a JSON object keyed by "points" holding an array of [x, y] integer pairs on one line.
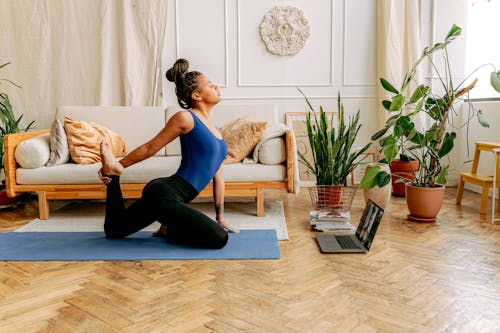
{"points": [[424, 203], [5, 201], [402, 169], [332, 197], [380, 195]]}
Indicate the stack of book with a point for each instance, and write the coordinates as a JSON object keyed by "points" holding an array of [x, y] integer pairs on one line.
{"points": [[330, 221]]}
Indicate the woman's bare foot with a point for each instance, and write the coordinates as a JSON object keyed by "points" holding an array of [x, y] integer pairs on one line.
{"points": [[161, 232], [110, 165]]}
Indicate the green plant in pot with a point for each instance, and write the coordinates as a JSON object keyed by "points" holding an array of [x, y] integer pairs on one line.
{"points": [[9, 124], [430, 146], [334, 156]]}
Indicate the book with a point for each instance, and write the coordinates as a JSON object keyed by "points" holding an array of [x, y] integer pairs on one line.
{"points": [[330, 221], [325, 216]]}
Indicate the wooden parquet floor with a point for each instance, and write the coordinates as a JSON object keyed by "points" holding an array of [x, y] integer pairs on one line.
{"points": [[441, 277]]}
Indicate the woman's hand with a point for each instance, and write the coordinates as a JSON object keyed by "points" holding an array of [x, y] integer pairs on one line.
{"points": [[106, 180], [220, 220]]}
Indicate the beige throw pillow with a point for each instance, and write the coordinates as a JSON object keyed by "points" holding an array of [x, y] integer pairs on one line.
{"points": [[84, 139], [241, 136]]}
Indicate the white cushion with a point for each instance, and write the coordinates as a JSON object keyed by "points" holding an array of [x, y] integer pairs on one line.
{"points": [[136, 125], [239, 172], [33, 153], [59, 149], [272, 151], [154, 167]]}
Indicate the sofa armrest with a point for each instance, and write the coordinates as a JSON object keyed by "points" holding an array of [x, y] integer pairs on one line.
{"points": [[11, 141], [290, 161]]}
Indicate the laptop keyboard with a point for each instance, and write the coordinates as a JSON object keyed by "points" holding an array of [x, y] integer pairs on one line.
{"points": [[346, 242]]}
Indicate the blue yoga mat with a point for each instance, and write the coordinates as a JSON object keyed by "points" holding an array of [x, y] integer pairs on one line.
{"points": [[31, 246]]}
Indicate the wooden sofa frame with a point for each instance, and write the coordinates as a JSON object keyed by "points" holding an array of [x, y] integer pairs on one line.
{"points": [[48, 192]]}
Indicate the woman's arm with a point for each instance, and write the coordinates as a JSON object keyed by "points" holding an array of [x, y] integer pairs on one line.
{"points": [[218, 191], [180, 123]]}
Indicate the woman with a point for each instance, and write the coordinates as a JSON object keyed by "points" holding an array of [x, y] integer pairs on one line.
{"points": [[165, 199]]}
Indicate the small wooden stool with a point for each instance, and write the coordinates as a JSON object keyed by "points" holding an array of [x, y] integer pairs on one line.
{"points": [[485, 181]]}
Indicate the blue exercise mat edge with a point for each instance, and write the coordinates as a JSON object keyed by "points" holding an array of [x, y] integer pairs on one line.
{"points": [[76, 246]]}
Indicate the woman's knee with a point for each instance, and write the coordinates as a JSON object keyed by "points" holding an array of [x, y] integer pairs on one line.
{"points": [[113, 233], [220, 241]]}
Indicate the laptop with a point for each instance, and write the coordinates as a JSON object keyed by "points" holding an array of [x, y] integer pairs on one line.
{"points": [[361, 241]]}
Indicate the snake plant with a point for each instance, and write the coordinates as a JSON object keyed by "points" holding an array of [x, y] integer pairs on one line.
{"points": [[332, 145]]}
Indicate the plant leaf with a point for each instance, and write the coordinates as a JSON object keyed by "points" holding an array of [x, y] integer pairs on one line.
{"points": [[454, 32], [420, 92], [443, 175], [379, 133], [482, 119], [383, 178], [386, 104], [370, 177], [495, 80], [387, 86], [448, 143], [390, 148], [397, 102]]}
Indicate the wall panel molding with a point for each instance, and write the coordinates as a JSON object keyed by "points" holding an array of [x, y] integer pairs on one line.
{"points": [[366, 81], [225, 35], [240, 80]]}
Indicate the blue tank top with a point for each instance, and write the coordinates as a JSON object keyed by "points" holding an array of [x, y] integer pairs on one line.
{"points": [[202, 155]]}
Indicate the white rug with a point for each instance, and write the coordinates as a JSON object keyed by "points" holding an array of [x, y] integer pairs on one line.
{"points": [[89, 216]]}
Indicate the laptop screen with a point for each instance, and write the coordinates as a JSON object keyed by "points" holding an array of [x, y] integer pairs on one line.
{"points": [[369, 223]]}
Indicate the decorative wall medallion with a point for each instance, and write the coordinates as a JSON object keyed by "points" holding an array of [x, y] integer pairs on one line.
{"points": [[284, 30]]}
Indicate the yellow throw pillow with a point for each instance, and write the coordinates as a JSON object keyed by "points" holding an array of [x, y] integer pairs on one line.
{"points": [[84, 139], [241, 136]]}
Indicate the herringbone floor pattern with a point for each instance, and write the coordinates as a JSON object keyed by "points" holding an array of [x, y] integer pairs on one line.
{"points": [[442, 277]]}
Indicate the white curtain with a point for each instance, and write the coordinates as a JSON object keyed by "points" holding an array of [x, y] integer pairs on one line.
{"points": [[81, 52], [398, 45]]}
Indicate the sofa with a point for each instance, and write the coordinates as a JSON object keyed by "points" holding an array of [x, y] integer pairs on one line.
{"points": [[137, 125]]}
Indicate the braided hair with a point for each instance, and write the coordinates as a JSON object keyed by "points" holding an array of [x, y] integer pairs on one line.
{"points": [[185, 82]]}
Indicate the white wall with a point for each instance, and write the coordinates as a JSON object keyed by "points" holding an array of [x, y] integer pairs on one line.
{"points": [[477, 132], [221, 39]]}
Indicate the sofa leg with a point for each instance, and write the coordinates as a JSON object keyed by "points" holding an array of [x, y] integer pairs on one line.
{"points": [[43, 205], [260, 202]]}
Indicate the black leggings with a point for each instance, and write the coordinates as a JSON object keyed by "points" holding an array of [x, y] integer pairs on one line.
{"points": [[163, 200]]}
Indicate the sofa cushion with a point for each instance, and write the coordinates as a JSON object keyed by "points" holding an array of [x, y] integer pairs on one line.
{"points": [[273, 151], [84, 139], [240, 172], [59, 149], [136, 125], [142, 172], [241, 136], [33, 153]]}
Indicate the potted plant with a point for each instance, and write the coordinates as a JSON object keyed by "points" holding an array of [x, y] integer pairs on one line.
{"points": [[402, 167], [8, 124], [334, 158], [430, 146]]}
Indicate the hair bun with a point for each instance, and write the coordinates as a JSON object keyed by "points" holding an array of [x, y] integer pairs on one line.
{"points": [[178, 70]]}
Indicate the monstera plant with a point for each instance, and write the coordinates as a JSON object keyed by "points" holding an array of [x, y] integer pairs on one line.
{"points": [[430, 146]]}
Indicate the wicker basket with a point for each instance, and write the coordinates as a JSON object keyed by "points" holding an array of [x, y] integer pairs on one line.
{"points": [[332, 198]]}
